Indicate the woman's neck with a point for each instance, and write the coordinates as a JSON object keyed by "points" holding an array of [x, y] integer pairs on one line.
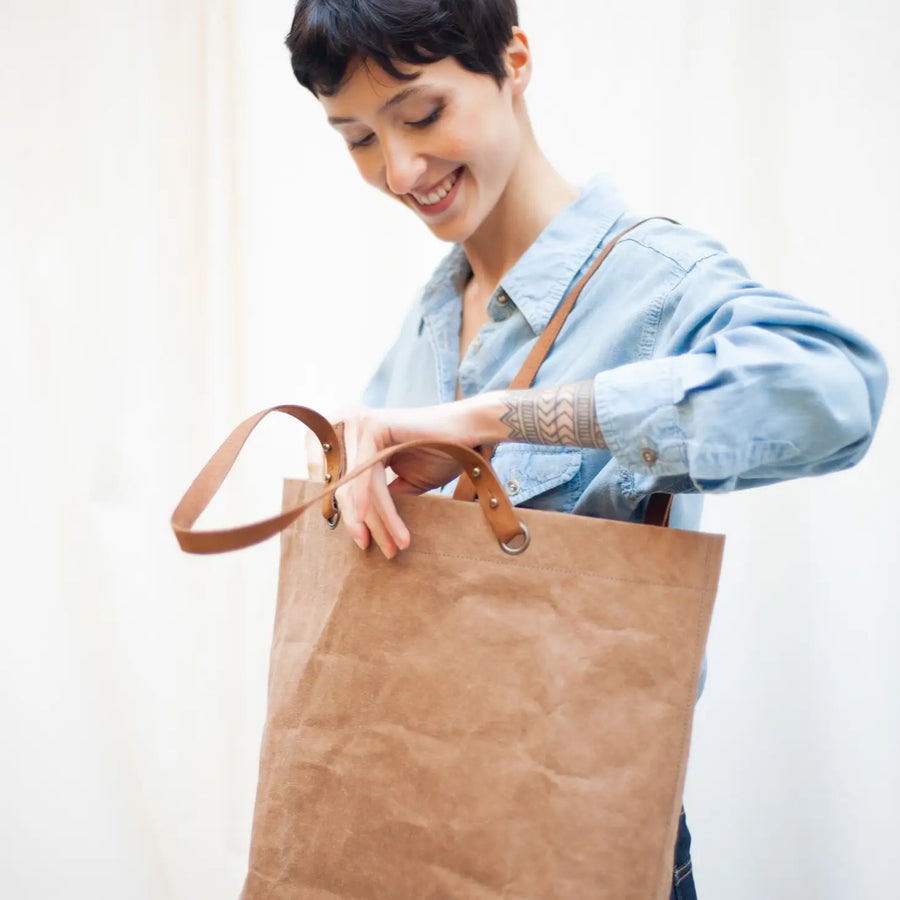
{"points": [[535, 195]]}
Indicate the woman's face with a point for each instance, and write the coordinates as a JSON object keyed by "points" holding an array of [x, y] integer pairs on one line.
{"points": [[445, 144]]}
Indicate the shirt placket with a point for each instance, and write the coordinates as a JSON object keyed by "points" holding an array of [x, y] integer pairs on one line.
{"points": [[442, 324], [479, 359]]}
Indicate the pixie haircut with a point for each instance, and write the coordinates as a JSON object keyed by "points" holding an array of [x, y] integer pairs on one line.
{"points": [[327, 34]]}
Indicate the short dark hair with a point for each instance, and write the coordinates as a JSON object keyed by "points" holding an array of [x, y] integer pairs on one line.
{"points": [[327, 34]]}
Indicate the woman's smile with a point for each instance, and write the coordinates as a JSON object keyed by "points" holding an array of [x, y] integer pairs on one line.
{"points": [[439, 198]]}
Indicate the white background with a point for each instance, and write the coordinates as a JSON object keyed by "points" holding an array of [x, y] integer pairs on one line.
{"points": [[183, 241]]}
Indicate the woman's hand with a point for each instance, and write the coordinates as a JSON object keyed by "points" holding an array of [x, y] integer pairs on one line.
{"points": [[555, 416], [366, 503]]}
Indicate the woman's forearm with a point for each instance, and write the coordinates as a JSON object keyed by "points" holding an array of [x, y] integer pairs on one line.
{"points": [[559, 415]]}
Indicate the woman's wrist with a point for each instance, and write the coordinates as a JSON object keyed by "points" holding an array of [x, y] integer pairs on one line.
{"points": [[563, 416], [482, 415]]}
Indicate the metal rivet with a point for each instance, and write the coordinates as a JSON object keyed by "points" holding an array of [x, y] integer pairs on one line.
{"points": [[648, 456], [494, 502], [526, 540], [502, 298], [476, 472], [327, 448], [512, 488], [327, 477]]}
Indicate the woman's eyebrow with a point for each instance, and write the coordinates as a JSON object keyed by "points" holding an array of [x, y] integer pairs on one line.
{"points": [[399, 97]]}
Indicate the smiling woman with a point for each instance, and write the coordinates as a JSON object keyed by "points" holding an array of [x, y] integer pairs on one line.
{"points": [[698, 372], [182, 236], [450, 147], [674, 372]]}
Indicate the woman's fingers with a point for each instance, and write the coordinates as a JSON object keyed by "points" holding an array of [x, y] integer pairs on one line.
{"points": [[385, 513], [366, 503], [357, 529], [370, 515], [383, 539], [350, 503], [374, 507]]}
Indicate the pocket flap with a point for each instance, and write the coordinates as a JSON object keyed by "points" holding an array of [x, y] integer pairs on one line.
{"points": [[526, 470]]}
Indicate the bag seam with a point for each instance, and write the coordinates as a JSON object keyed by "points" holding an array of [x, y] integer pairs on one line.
{"points": [[577, 572]]}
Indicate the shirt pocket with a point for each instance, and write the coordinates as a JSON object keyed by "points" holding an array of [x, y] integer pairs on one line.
{"points": [[539, 477]]}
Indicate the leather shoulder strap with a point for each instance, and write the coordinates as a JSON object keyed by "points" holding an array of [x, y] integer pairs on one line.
{"points": [[544, 344], [465, 490]]}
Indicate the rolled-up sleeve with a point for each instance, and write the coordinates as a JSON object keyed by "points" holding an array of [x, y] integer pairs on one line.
{"points": [[746, 386]]}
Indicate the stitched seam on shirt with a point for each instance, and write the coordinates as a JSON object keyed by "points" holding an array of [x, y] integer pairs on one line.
{"points": [[634, 239], [669, 294], [650, 328], [651, 346], [438, 368]]}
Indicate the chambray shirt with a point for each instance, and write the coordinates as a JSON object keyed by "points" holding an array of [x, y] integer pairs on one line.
{"points": [[704, 379]]}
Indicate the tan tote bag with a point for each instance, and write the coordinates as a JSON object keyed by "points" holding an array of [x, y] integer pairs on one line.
{"points": [[502, 711], [463, 721]]}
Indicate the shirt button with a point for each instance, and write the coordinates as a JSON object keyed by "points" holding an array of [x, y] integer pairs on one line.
{"points": [[502, 298], [476, 344], [512, 488], [648, 456]]}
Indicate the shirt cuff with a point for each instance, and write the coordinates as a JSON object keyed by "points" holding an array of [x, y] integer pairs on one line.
{"points": [[636, 410]]}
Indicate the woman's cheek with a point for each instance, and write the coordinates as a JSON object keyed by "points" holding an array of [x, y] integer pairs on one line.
{"points": [[370, 168]]}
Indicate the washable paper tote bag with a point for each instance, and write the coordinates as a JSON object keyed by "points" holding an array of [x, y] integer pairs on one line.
{"points": [[464, 721]]}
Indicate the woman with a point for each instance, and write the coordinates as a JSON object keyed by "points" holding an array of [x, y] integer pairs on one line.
{"points": [[675, 371]]}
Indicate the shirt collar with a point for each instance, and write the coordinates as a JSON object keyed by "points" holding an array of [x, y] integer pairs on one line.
{"points": [[541, 277], [448, 280]]}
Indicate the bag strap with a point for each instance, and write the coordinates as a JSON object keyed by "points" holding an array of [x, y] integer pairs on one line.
{"points": [[498, 510], [465, 489]]}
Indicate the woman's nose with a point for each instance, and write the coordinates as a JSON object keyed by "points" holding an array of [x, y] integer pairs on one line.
{"points": [[403, 166]]}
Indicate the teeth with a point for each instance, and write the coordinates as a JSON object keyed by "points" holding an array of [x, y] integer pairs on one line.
{"points": [[439, 192]]}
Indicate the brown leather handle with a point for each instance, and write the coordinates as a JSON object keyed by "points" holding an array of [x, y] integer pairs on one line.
{"points": [[497, 508]]}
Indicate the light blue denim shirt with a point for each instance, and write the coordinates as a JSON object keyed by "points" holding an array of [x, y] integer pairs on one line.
{"points": [[704, 379]]}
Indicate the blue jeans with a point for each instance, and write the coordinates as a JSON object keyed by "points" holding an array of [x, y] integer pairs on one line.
{"points": [[683, 872]]}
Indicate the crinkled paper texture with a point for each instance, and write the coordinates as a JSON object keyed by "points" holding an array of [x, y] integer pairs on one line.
{"points": [[461, 723]]}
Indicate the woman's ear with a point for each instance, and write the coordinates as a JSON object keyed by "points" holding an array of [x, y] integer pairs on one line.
{"points": [[518, 62]]}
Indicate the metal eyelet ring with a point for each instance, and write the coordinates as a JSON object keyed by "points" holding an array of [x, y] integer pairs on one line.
{"points": [[515, 551], [333, 521]]}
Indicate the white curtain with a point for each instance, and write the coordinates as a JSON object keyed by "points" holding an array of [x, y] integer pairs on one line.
{"points": [[183, 241]]}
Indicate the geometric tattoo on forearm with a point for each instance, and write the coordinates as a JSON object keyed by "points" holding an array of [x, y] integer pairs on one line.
{"points": [[564, 415]]}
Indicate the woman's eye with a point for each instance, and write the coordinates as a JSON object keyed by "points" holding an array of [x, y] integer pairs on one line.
{"points": [[430, 119], [363, 142]]}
